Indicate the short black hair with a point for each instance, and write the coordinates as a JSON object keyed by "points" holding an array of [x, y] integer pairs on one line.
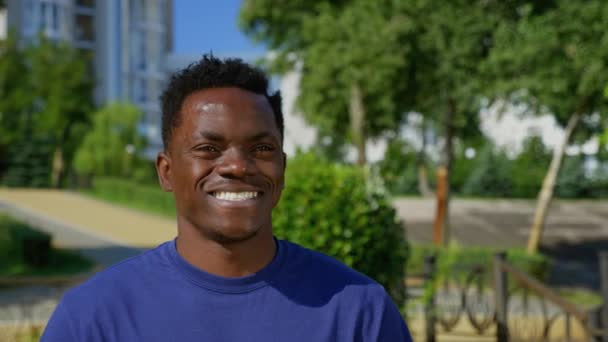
{"points": [[213, 72]]}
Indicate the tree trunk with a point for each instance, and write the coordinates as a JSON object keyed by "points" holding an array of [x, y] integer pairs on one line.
{"points": [[423, 181], [58, 167], [546, 192], [357, 121], [442, 221]]}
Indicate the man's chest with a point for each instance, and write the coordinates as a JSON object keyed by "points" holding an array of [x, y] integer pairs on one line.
{"points": [[244, 319]]}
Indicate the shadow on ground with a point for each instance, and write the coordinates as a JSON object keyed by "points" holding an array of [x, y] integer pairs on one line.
{"points": [[576, 263]]}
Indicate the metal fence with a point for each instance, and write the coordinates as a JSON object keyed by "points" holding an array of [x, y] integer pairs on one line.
{"points": [[504, 302]]}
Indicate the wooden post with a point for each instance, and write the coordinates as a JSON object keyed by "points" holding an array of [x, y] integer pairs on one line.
{"points": [[501, 297], [430, 317], [568, 329], [440, 234], [603, 256]]}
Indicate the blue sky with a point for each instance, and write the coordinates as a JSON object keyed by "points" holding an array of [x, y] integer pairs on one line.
{"points": [[204, 25]]}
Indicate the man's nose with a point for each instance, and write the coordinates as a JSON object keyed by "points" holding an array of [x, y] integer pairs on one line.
{"points": [[235, 164]]}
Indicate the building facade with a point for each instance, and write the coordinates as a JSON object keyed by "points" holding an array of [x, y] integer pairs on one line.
{"points": [[129, 41]]}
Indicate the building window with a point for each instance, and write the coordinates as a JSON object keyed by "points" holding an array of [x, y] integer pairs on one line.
{"points": [[85, 28], [85, 3], [43, 16], [54, 18], [140, 91]]}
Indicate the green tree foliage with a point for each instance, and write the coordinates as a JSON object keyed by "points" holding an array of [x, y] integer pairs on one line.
{"points": [[331, 208], [111, 147], [555, 62], [398, 168], [491, 175], [15, 98], [529, 168], [61, 82], [349, 51], [47, 94]]}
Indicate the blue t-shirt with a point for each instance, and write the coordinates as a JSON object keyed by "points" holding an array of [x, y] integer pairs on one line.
{"points": [[301, 295]]}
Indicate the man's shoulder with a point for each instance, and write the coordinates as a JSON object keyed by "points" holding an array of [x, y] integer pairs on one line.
{"points": [[118, 279], [325, 271]]}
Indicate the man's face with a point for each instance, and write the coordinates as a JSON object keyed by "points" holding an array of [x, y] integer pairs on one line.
{"points": [[224, 163]]}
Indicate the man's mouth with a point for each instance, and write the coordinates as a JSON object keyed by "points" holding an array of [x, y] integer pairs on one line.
{"points": [[235, 196]]}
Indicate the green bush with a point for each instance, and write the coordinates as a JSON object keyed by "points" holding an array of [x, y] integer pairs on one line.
{"points": [[398, 168], [462, 169], [529, 168], [337, 210], [149, 198], [572, 182], [491, 175], [113, 145], [455, 258], [29, 163], [13, 263], [598, 184]]}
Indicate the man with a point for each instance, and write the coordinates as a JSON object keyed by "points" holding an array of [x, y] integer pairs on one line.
{"points": [[225, 277]]}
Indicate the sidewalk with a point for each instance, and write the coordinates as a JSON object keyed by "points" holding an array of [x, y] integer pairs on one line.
{"points": [[103, 231]]}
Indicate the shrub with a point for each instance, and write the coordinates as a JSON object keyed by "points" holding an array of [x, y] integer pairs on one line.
{"points": [[571, 182], [112, 146], [339, 211], [491, 175], [14, 258], [398, 168], [530, 167], [29, 164], [452, 262]]}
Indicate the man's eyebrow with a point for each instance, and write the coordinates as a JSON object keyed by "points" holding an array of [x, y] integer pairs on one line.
{"points": [[214, 136], [261, 135]]}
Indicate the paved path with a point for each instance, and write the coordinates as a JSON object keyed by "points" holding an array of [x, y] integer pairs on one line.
{"points": [[506, 223], [102, 231]]}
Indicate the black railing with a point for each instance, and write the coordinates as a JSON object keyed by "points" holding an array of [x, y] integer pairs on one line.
{"points": [[507, 303]]}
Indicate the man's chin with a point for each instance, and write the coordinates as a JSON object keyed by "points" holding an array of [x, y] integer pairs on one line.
{"points": [[225, 237]]}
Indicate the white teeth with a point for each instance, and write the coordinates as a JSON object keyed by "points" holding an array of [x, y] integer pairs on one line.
{"points": [[235, 196]]}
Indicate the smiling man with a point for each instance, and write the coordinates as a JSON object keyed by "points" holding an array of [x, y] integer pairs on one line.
{"points": [[225, 277]]}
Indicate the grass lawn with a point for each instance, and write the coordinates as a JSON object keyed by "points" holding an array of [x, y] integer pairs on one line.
{"points": [[12, 263]]}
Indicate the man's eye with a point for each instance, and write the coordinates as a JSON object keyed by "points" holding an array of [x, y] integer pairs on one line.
{"points": [[208, 148], [264, 148]]}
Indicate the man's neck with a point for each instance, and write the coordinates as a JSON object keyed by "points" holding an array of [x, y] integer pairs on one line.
{"points": [[236, 259]]}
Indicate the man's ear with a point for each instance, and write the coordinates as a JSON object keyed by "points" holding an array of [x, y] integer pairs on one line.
{"points": [[284, 161], [284, 168], [163, 170]]}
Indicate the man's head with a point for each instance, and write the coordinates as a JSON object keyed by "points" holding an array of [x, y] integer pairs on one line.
{"points": [[212, 72], [223, 156]]}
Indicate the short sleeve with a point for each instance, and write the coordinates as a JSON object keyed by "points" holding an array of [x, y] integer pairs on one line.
{"points": [[386, 323], [59, 327]]}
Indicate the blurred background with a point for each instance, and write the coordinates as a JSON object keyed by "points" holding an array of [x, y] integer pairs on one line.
{"points": [[457, 152]]}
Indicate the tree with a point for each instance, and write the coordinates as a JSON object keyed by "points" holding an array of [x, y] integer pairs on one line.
{"points": [[351, 72], [113, 142], [45, 98], [450, 42], [63, 88], [370, 62], [556, 62], [15, 97]]}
